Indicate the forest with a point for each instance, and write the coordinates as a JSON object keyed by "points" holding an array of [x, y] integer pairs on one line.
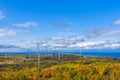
{"points": [[69, 67]]}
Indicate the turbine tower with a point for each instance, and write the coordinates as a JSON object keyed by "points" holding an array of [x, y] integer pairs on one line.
{"points": [[80, 54], [38, 49], [59, 56], [5, 52]]}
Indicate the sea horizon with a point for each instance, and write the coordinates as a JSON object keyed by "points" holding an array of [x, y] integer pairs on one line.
{"points": [[113, 54]]}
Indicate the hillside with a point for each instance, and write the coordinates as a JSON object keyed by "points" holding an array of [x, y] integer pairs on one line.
{"points": [[72, 68]]}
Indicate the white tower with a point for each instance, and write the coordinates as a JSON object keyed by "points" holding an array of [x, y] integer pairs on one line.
{"points": [[38, 49]]}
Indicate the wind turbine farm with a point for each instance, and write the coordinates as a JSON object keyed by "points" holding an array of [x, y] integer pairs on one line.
{"points": [[59, 40]]}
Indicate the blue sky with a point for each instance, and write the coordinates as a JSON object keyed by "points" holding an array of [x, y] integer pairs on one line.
{"points": [[85, 22]]}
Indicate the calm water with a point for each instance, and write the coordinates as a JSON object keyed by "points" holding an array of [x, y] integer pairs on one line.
{"points": [[101, 54]]}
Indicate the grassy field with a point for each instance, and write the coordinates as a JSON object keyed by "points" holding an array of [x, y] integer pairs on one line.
{"points": [[70, 67]]}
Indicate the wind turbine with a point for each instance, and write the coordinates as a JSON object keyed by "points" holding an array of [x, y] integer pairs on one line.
{"points": [[30, 55], [80, 53], [59, 56], [38, 49], [10, 49], [5, 52]]}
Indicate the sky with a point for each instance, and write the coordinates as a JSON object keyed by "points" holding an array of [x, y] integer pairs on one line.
{"points": [[60, 24]]}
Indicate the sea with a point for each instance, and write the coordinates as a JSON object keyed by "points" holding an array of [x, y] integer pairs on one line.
{"points": [[84, 53]]}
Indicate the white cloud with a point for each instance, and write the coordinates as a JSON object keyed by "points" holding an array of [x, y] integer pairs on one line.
{"points": [[63, 23], [1, 15], [57, 38], [97, 45], [111, 33], [26, 24], [58, 43], [11, 48], [23, 30], [102, 33], [9, 32], [5, 33], [90, 44], [59, 46], [69, 40], [95, 32], [117, 22], [41, 41], [67, 32], [75, 39]]}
